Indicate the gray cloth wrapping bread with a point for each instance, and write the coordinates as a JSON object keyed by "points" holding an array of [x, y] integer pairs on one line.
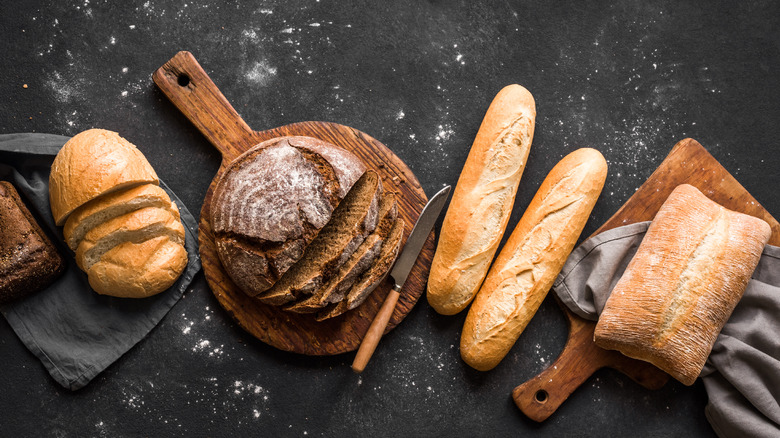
{"points": [[75, 332], [742, 374]]}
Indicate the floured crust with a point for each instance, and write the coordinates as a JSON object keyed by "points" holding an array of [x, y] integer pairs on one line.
{"points": [[532, 257], [353, 220], [678, 291], [93, 163], [482, 201], [272, 201]]}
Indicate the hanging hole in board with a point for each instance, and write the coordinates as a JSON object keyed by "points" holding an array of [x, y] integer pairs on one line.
{"points": [[541, 396], [184, 80]]}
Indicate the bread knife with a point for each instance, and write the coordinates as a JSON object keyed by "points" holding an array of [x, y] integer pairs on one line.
{"points": [[400, 271]]}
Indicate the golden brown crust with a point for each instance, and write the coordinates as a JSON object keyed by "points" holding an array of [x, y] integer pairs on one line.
{"points": [[482, 200], [93, 163], [109, 206], [680, 288], [136, 226], [532, 257], [138, 270]]}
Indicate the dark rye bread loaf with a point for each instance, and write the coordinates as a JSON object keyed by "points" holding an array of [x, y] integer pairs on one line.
{"points": [[335, 288], [272, 201], [28, 259], [353, 220], [372, 278]]}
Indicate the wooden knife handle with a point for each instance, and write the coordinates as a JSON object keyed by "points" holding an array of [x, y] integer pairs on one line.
{"points": [[188, 86], [375, 331]]}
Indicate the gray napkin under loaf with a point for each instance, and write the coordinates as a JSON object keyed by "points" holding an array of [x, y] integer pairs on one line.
{"points": [[742, 374], [75, 332]]}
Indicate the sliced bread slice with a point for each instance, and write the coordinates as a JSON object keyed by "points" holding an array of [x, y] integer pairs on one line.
{"points": [[136, 226], [353, 220], [138, 270], [110, 206], [372, 278], [335, 288]]}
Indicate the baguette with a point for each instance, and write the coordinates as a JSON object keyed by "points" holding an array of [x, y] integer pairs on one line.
{"points": [[532, 257], [482, 201], [678, 291]]}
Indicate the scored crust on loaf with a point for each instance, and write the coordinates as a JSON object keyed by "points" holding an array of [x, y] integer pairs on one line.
{"points": [[92, 163], [138, 270], [680, 288], [109, 206], [372, 278], [29, 261], [272, 201], [353, 220], [482, 201], [136, 226]]}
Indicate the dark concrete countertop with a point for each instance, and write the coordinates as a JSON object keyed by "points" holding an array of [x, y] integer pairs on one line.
{"points": [[628, 79]]}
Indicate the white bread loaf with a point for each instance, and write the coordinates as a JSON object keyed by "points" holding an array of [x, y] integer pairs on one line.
{"points": [[110, 206], [138, 270], [678, 291], [482, 201], [125, 231], [532, 258], [136, 226], [93, 163]]}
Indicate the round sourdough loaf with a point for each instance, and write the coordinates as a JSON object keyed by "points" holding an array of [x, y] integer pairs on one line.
{"points": [[271, 203], [90, 164]]}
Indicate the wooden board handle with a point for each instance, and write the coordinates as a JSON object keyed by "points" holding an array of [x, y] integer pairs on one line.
{"points": [[374, 333], [539, 397], [542, 395], [188, 86]]}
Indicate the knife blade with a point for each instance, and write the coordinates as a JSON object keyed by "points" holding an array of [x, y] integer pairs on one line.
{"points": [[400, 271]]}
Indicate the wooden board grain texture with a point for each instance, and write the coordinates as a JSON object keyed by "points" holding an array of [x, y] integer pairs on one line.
{"points": [[188, 86], [688, 163]]}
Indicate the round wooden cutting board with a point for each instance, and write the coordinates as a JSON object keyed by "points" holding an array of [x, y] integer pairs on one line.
{"points": [[186, 84]]}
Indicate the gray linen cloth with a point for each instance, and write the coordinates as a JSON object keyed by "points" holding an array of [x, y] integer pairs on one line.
{"points": [[742, 373], [75, 332]]}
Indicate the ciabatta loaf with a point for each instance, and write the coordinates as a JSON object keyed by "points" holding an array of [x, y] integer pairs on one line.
{"points": [[482, 201], [532, 257], [678, 291]]}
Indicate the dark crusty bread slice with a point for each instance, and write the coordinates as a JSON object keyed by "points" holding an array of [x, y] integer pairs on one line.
{"points": [[372, 278], [111, 205], [28, 259], [272, 201], [335, 288], [353, 220]]}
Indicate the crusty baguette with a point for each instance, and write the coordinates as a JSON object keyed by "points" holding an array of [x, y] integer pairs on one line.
{"points": [[482, 201], [93, 163], [678, 291], [109, 206], [532, 257]]}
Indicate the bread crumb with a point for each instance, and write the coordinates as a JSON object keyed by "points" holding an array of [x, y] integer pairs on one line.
{"points": [[24, 86]]}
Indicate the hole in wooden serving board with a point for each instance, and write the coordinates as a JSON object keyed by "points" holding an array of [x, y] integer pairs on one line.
{"points": [[541, 396], [183, 80]]}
